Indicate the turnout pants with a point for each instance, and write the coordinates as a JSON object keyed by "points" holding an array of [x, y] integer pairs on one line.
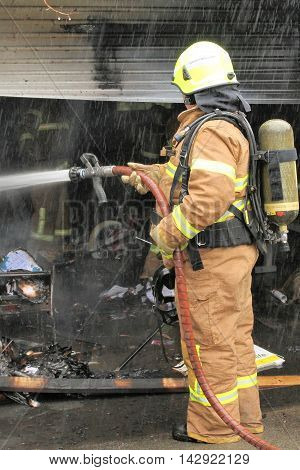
{"points": [[222, 316]]}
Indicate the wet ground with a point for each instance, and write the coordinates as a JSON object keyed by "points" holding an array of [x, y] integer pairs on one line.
{"points": [[131, 422]]}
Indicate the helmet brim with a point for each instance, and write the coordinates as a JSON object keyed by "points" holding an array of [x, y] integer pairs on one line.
{"points": [[236, 82]]}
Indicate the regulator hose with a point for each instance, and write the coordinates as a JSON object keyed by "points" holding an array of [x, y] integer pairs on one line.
{"points": [[187, 324]]}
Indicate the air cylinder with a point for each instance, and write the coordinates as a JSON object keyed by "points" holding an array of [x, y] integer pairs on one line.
{"points": [[279, 178]]}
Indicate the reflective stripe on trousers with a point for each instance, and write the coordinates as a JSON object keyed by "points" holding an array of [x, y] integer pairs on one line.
{"points": [[247, 381], [197, 395], [224, 398]]}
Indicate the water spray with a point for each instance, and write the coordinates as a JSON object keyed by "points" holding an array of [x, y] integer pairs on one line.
{"points": [[27, 180]]}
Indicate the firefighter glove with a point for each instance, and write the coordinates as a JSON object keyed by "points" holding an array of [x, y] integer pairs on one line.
{"points": [[134, 179]]}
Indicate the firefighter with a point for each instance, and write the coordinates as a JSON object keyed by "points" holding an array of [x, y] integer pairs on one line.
{"points": [[220, 294]]}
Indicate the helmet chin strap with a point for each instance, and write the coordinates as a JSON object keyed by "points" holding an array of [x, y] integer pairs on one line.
{"points": [[189, 100]]}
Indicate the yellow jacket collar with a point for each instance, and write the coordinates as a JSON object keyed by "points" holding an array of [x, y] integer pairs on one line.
{"points": [[189, 115]]}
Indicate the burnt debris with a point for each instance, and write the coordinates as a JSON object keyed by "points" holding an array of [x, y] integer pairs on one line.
{"points": [[53, 361]]}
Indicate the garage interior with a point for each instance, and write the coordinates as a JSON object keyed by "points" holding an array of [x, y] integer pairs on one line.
{"points": [[100, 84]]}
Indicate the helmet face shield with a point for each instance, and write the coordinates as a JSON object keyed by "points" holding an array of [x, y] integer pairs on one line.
{"points": [[201, 66]]}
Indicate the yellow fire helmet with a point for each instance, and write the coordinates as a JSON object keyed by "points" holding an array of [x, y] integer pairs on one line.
{"points": [[203, 65]]}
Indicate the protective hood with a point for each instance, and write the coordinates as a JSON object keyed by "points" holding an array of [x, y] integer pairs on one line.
{"points": [[225, 98]]}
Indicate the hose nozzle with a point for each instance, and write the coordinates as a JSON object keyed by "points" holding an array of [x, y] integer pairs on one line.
{"points": [[92, 169], [74, 174]]}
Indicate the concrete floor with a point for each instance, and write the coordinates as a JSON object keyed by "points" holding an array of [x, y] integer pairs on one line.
{"points": [[130, 422]]}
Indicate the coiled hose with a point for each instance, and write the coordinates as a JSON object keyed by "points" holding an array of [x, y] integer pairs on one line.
{"points": [[187, 324]]}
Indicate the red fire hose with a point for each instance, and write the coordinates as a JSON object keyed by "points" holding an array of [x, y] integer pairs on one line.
{"points": [[187, 324]]}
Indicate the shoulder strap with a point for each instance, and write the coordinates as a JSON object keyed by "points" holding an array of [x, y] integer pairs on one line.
{"points": [[178, 174], [183, 168], [236, 212]]}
